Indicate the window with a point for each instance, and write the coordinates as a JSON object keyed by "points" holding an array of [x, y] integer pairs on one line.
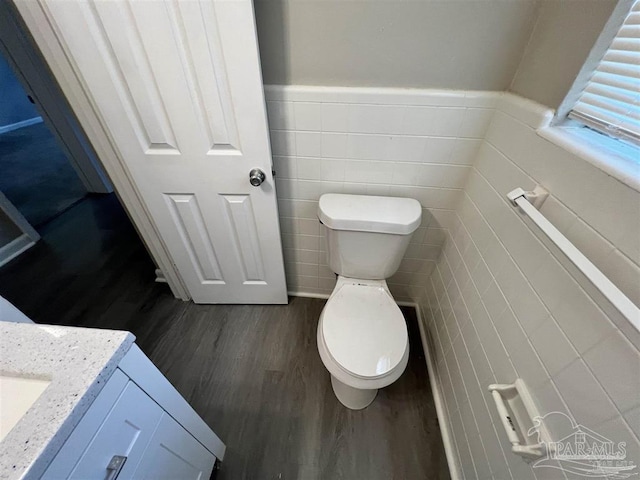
{"points": [[606, 94]]}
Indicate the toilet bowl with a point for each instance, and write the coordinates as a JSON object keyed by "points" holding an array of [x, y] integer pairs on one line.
{"points": [[362, 340], [362, 335]]}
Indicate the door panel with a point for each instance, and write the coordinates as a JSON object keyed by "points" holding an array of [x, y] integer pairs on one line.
{"points": [[211, 99], [241, 223], [188, 220], [177, 84]]}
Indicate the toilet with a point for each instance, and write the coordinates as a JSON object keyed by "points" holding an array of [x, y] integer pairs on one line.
{"points": [[362, 334]]}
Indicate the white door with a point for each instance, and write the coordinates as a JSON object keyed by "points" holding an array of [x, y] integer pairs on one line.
{"points": [[178, 86]]}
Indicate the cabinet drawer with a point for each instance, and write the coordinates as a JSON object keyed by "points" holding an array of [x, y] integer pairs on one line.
{"points": [[126, 431]]}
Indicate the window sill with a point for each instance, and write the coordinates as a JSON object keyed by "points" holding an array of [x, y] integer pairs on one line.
{"points": [[613, 157]]}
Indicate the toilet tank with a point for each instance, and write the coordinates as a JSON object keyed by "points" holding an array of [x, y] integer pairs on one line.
{"points": [[367, 236]]}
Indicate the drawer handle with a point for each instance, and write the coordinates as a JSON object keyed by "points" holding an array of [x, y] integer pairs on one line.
{"points": [[115, 466]]}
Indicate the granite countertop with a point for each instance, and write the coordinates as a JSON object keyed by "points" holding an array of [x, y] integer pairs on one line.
{"points": [[78, 362]]}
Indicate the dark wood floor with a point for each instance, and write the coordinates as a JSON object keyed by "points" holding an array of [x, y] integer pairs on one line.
{"points": [[252, 372]]}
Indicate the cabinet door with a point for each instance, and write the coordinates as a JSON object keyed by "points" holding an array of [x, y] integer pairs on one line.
{"points": [[126, 431], [173, 453], [84, 433]]}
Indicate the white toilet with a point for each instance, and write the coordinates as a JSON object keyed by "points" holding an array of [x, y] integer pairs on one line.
{"points": [[362, 335]]}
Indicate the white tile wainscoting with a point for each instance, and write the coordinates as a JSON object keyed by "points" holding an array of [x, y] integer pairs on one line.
{"points": [[498, 301], [504, 303], [410, 143]]}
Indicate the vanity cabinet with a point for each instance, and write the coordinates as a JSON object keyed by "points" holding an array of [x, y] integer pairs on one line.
{"points": [[138, 427]]}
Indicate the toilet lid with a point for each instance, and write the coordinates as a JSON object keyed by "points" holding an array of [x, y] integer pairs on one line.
{"points": [[364, 330]]}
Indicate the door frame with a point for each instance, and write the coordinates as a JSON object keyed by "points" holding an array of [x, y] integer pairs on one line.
{"points": [[22, 243], [30, 17], [34, 76]]}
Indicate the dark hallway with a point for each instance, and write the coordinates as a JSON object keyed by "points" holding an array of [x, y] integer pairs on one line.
{"points": [[36, 174]]}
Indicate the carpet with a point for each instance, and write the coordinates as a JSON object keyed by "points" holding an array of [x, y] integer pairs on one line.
{"points": [[35, 174]]}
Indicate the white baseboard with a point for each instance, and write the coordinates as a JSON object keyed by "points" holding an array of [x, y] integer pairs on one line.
{"points": [[14, 248], [17, 125], [438, 398], [325, 296], [403, 303], [293, 293]]}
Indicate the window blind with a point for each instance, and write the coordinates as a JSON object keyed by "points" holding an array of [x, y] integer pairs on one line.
{"points": [[610, 101]]}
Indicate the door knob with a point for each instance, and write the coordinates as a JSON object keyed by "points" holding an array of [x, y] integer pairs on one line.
{"points": [[256, 177]]}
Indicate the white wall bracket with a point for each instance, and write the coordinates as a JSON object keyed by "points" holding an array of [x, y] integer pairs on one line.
{"points": [[536, 197], [517, 413]]}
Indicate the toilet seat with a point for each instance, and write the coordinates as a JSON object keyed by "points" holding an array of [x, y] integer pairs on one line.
{"points": [[364, 331]]}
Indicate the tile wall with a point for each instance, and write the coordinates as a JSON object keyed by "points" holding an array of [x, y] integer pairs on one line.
{"points": [[503, 303], [411, 143]]}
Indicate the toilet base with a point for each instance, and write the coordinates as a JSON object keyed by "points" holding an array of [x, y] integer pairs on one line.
{"points": [[353, 398]]}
